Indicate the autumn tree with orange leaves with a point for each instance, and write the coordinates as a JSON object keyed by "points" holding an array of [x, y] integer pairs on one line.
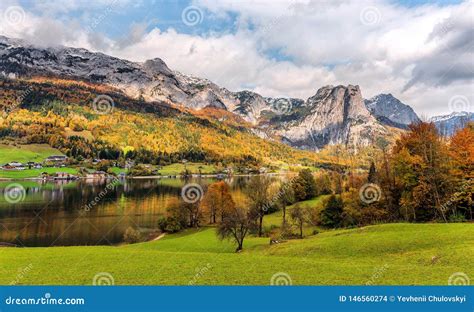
{"points": [[217, 201], [461, 149], [422, 164]]}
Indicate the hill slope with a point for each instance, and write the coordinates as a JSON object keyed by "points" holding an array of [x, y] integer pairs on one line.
{"points": [[62, 113], [25, 153], [391, 254]]}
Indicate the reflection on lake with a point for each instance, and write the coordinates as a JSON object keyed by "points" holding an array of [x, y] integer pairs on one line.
{"points": [[52, 213]]}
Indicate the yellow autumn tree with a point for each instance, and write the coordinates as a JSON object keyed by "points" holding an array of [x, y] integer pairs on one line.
{"points": [[217, 201]]}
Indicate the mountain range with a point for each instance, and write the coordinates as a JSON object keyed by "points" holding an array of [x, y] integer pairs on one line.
{"points": [[334, 115], [448, 124]]}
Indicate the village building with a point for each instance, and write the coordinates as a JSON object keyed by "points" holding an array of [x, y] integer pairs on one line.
{"points": [[14, 165], [56, 160]]}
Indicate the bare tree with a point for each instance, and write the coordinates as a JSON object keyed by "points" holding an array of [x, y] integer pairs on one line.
{"points": [[235, 225]]}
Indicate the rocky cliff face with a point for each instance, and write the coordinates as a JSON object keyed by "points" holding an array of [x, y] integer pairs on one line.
{"points": [[334, 115], [388, 109]]}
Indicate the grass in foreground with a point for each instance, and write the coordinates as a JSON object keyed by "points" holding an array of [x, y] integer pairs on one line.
{"points": [[400, 254]]}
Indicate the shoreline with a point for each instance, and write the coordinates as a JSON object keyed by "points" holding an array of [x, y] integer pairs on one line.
{"points": [[150, 177]]}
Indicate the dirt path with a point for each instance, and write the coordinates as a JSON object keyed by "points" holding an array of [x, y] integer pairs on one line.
{"points": [[159, 237]]}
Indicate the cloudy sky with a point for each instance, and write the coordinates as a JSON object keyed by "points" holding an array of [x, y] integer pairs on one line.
{"points": [[420, 51]]}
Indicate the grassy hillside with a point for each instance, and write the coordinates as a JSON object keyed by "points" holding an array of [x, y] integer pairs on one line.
{"points": [[275, 219], [25, 153], [33, 173], [406, 254]]}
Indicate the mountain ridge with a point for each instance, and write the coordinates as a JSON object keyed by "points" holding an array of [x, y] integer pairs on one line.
{"points": [[387, 106], [334, 115], [448, 124]]}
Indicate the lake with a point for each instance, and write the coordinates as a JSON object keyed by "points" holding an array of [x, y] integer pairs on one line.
{"points": [[40, 213]]}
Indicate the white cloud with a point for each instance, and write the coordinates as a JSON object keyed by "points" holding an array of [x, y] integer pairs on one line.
{"points": [[381, 46]]}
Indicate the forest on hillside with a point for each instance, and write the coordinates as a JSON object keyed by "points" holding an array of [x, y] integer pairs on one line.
{"points": [[61, 114]]}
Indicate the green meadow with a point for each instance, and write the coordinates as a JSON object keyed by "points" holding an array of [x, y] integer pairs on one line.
{"points": [[274, 220], [25, 153], [178, 168], [389, 254], [33, 173]]}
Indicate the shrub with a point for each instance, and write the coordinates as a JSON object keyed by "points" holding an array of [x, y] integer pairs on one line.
{"points": [[286, 231], [142, 170], [304, 185], [457, 217], [170, 224], [162, 224], [332, 214], [299, 190], [131, 235], [323, 182]]}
